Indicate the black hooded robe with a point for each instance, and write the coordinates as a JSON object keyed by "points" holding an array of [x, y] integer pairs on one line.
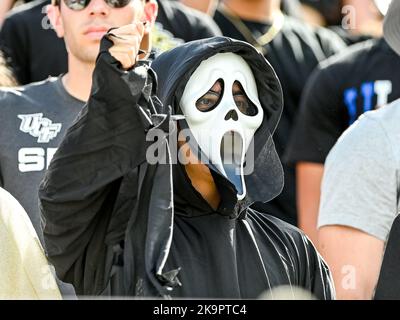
{"points": [[116, 225]]}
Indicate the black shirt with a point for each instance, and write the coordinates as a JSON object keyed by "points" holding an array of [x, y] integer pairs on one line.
{"points": [[34, 51], [294, 53], [340, 90]]}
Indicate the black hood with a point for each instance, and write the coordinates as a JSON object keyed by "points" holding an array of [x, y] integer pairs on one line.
{"points": [[175, 67]]}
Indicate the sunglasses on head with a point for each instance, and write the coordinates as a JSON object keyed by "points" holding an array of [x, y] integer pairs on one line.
{"points": [[78, 5]]}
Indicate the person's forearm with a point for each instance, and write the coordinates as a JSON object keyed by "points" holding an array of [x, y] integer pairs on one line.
{"points": [[5, 6], [354, 258], [309, 177]]}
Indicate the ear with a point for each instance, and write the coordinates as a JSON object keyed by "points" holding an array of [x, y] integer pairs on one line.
{"points": [[150, 14], [54, 15]]}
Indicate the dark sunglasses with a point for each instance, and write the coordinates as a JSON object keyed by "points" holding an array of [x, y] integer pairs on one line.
{"points": [[78, 5]]}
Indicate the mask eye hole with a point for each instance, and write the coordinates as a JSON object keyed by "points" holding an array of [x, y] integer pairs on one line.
{"points": [[210, 100], [242, 101]]}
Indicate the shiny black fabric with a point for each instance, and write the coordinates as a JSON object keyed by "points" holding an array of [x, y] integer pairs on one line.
{"points": [[115, 224]]}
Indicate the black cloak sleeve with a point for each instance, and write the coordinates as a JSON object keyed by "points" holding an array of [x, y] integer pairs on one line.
{"points": [[78, 194]]}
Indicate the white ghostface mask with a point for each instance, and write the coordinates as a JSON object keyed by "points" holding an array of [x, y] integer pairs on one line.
{"points": [[223, 112]]}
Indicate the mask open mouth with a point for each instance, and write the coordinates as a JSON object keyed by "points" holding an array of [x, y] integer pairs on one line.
{"points": [[232, 160]]}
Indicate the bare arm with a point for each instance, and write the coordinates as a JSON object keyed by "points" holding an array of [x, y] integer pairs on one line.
{"points": [[309, 176], [5, 6], [354, 258]]}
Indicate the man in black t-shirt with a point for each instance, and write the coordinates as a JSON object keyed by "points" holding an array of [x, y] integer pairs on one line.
{"points": [[294, 49], [340, 90], [34, 52]]}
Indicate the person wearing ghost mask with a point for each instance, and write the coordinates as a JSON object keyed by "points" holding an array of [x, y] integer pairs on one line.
{"points": [[224, 116], [118, 223]]}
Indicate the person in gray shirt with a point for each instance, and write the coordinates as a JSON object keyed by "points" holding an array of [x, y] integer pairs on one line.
{"points": [[359, 201], [361, 191], [34, 118]]}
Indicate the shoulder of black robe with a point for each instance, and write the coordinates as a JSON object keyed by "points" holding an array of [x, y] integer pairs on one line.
{"points": [[305, 266]]}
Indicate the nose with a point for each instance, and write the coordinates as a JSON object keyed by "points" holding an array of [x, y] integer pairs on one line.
{"points": [[98, 7], [232, 114]]}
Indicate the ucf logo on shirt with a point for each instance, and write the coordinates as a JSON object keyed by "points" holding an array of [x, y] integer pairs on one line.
{"points": [[39, 127], [37, 158]]}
